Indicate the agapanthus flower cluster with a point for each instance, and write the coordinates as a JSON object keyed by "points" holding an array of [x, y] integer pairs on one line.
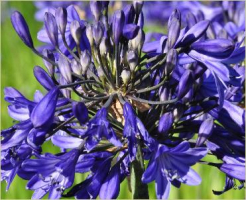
{"points": [[121, 106]]}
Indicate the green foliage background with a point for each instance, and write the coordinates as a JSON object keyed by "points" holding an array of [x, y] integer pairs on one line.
{"points": [[17, 63]]}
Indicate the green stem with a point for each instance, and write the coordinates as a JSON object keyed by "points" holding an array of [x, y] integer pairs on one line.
{"points": [[153, 102], [117, 67], [139, 189], [147, 73], [78, 83], [151, 88]]}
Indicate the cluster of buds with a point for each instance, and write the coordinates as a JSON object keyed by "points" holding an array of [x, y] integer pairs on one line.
{"points": [[115, 98]]}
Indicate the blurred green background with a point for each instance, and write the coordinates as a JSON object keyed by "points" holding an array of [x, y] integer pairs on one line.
{"points": [[17, 63]]}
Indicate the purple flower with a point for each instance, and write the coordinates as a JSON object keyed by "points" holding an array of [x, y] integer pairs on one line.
{"points": [[111, 186], [234, 167], [194, 33], [53, 174], [99, 127], [134, 129], [172, 165], [219, 48], [11, 161], [90, 188]]}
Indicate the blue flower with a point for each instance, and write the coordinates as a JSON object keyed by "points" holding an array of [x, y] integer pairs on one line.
{"points": [[172, 165], [99, 127], [11, 161], [134, 130], [53, 174], [234, 168]]}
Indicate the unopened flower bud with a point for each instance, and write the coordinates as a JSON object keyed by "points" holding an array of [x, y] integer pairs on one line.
{"points": [[173, 32], [76, 67], [89, 35], [164, 93], [97, 32], [100, 72], [85, 60], [132, 58], [137, 42], [185, 83], [65, 69], [175, 14], [141, 20], [205, 131], [96, 9], [61, 19], [43, 78], [138, 5], [43, 113], [47, 64], [125, 75], [129, 14], [51, 28], [76, 31], [189, 95], [118, 25], [171, 62], [104, 21], [231, 9], [21, 28], [165, 123], [66, 93], [104, 46], [190, 19], [178, 112]]}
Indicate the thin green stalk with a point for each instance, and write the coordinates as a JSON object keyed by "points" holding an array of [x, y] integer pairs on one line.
{"points": [[139, 189], [153, 102], [151, 88]]}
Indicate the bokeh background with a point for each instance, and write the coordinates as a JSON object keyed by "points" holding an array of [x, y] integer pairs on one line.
{"points": [[17, 62]]}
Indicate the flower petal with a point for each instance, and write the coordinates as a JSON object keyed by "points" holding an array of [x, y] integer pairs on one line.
{"points": [[191, 178], [162, 186], [66, 142], [43, 112]]}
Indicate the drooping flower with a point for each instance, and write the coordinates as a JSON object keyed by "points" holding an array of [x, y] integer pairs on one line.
{"points": [[53, 174], [172, 166]]}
